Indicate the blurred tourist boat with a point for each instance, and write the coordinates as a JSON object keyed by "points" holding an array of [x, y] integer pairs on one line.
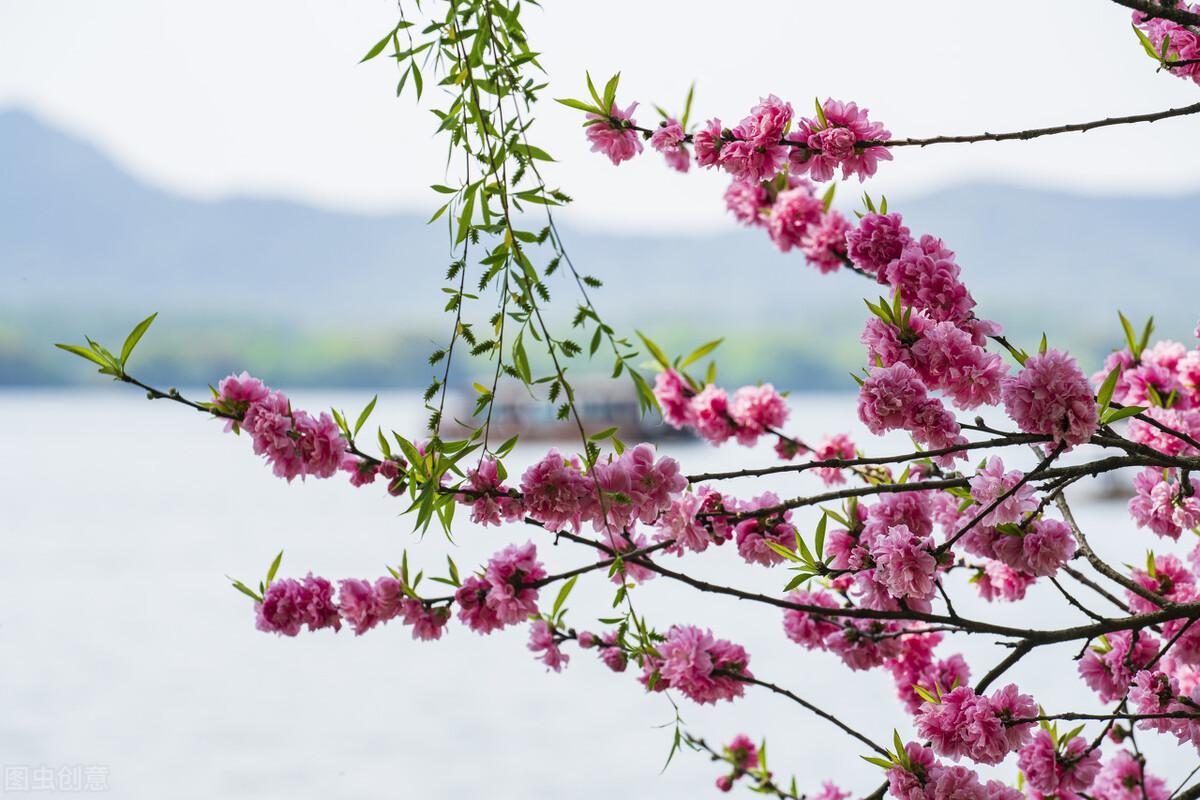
{"points": [[602, 404]]}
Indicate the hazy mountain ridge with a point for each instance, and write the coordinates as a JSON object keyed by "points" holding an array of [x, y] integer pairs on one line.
{"points": [[83, 241]]}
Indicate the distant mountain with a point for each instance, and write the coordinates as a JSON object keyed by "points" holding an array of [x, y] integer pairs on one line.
{"points": [[338, 297]]}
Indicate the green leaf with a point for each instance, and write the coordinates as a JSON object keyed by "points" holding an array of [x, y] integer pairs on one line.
{"points": [[781, 550], [1116, 415], [1071, 734], [820, 540], [610, 91], [562, 595], [521, 360], [378, 48], [604, 434], [821, 115], [925, 695], [274, 567], [135, 336], [879, 762], [595, 96], [83, 352], [246, 590], [529, 151], [800, 578], [1130, 337], [687, 107], [366, 412], [700, 352], [655, 351], [579, 105], [1146, 331], [1104, 396], [827, 198], [1146, 44]]}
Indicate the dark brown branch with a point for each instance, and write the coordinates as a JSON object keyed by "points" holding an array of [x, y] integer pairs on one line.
{"points": [[779, 690], [1151, 9]]}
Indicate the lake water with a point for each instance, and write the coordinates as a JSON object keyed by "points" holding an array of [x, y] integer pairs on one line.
{"points": [[125, 650]]}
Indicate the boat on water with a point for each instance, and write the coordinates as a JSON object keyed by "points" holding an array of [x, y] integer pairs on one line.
{"points": [[602, 404]]}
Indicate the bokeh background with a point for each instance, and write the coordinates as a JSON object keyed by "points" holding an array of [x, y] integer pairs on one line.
{"points": [[233, 167]]}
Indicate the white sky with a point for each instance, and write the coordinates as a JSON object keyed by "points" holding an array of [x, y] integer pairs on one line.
{"points": [[266, 96]]}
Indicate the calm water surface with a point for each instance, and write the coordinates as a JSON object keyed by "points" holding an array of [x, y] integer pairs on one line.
{"points": [[123, 647]]}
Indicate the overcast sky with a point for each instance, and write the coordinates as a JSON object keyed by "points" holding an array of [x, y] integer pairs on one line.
{"points": [[266, 96]]}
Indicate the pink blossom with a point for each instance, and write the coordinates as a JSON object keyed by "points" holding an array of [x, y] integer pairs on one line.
{"points": [[361, 471], [830, 791], [1185, 421], [864, 643], [1047, 546], [756, 410], [1123, 778], [653, 481], [991, 483], [947, 359], [707, 142], [489, 501], [966, 724], [542, 640], [915, 665], [1160, 505], [673, 398], [393, 471], [289, 604], [679, 522], [824, 244], [888, 396], [998, 581], [878, 240], [711, 411], [625, 543], [553, 491], [1109, 667], [1182, 43], [909, 784], [1155, 692], [795, 211], [748, 201], [743, 752], [389, 598], [1148, 381], [235, 395], [1051, 397], [934, 426], [473, 608], [839, 143], [1051, 773], [695, 663], [752, 536], [507, 573], [837, 446], [611, 653], [428, 624], [294, 443], [1171, 579], [757, 154], [926, 276], [806, 629], [613, 135], [356, 604], [904, 564], [668, 139]]}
